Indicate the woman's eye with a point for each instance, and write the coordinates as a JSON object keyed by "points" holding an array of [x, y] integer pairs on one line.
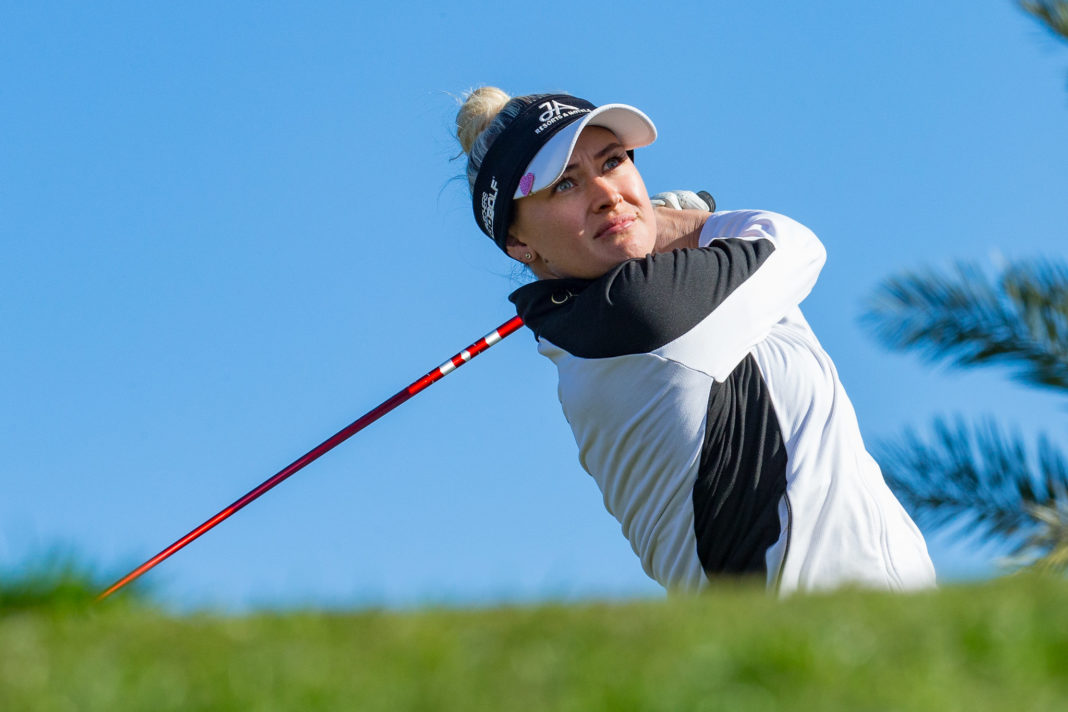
{"points": [[613, 162], [564, 184]]}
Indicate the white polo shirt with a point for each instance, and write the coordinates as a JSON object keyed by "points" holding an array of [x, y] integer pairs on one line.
{"points": [[713, 421]]}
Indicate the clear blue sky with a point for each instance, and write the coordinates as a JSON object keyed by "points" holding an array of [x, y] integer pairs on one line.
{"points": [[229, 229]]}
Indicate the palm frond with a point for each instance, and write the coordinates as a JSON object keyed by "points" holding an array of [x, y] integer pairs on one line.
{"points": [[966, 317], [979, 477], [1052, 13], [1046, 547]]}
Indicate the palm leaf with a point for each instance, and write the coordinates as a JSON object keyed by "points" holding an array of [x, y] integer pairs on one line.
{"points": [[983, 480], [1052, 13], [966, 317]]}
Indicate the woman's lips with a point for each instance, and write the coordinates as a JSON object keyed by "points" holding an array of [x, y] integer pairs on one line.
{"points": [[616, 225]]}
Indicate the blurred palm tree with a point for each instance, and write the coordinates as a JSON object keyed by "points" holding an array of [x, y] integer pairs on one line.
{"points": [[980, 479], [1052, 13]]}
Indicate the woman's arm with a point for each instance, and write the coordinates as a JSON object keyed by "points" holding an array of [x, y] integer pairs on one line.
{"points": [[752, 269], [711, 303]]}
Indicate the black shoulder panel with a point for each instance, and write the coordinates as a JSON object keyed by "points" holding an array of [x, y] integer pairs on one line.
{"points": [[643, 303]]}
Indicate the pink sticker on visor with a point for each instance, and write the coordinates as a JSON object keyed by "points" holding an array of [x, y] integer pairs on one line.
{"points": [[526, 183]]}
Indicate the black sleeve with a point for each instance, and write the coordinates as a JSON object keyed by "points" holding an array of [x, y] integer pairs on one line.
{"points": [[643, 303]]}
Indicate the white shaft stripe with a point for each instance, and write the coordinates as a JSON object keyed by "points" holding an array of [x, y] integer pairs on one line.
{"points": [[447, 368], [493, 338]]}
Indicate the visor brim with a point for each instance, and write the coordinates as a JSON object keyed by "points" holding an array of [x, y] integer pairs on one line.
{"points": [[631, 126]]}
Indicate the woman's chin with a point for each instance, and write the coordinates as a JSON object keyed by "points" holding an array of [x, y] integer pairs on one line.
{"points": [[630, 247]]}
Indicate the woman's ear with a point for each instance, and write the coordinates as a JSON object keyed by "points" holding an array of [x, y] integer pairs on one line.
{"points": [[520, 251]]}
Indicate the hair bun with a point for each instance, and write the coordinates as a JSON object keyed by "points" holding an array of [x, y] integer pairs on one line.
{"points": [[479, 107]]}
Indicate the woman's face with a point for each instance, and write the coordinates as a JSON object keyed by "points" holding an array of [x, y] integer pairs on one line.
{"points": [[595, 216]]}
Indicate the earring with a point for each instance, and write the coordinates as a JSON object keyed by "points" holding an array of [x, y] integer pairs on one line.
{"points": [[528, 257]]}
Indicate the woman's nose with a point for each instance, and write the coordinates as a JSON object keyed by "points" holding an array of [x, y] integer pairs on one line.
{"points": [[607, 195]]}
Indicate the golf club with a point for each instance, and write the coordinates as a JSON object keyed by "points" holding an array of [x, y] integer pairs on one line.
{"points": [[329, 444]]}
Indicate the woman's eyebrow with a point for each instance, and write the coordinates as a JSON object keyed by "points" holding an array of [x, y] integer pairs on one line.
{"points": [[600, 154], [608, 149]]}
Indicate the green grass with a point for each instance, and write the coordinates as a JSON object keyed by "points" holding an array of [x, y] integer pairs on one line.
{"points": [[57, 579], [996, 646]]}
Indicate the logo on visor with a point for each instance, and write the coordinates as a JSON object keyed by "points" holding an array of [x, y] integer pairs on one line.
{"points": [[554, 111], [489, 200]]}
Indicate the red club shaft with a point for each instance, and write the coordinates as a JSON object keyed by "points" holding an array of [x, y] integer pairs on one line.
{"points": [[329, 444]]}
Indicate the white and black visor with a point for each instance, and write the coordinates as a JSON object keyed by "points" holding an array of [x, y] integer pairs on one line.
{"points": [[632, 127], [534, 149]]}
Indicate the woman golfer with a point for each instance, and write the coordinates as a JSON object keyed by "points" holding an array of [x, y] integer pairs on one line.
{"points": [[704, 407]]}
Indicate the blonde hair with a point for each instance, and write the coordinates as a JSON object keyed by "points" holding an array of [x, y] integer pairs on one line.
{"points": [[480, 106]]}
